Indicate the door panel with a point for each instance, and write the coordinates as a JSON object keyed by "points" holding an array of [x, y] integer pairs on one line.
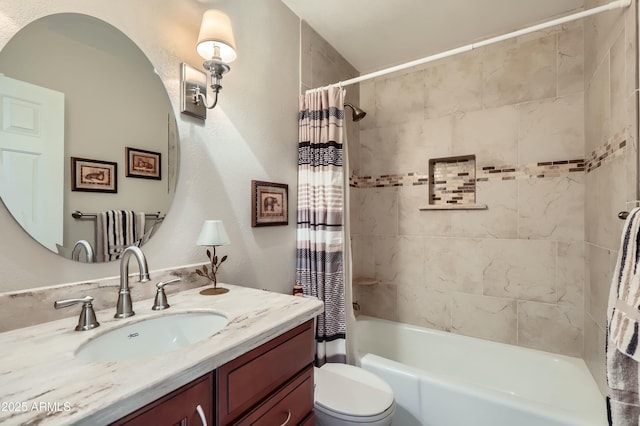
{"points": [[32, 158]]}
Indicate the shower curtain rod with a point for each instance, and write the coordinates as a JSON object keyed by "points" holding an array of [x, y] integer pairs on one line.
{"points": [[619, 4]]}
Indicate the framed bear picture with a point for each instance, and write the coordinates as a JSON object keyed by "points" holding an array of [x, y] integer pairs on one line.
{"points": [[269, 203]]}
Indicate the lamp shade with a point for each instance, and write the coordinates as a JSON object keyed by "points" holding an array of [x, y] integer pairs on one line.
{"points": [[216, 31], [213, 234]]}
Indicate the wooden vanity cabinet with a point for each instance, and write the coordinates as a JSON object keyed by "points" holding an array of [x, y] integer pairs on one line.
{"points": [[270, 385]]}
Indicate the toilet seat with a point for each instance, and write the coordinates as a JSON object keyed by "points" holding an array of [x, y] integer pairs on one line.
{"points": [[357, 420], [352, 394]]}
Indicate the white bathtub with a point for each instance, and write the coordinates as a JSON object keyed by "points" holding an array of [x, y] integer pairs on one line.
{"points": [[444, 379]]}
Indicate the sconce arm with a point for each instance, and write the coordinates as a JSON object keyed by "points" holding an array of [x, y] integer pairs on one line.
{"points": [[198, 97]]}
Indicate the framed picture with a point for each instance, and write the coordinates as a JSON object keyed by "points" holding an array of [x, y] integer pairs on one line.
{"points": [[143, 164], [93, 175], [269, 203]]}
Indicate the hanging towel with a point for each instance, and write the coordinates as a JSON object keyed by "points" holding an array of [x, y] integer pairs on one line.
{"points": [[115, 231], [623, 356]]}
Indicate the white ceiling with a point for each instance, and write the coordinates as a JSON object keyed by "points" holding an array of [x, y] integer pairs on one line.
{"points": [[375, 34]]}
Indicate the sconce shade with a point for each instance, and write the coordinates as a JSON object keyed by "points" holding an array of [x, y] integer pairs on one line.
{"points": [[216, 31], [213, 234]]}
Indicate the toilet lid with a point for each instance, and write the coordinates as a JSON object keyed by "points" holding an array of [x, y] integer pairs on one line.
{"points": [[347, 390]]}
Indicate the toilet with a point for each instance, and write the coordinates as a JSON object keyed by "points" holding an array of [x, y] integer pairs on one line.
{"points": [[350, 396]]}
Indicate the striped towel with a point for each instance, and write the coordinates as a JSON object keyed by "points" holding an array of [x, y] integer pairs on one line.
{"points": [[623, 356], [115, 231]]}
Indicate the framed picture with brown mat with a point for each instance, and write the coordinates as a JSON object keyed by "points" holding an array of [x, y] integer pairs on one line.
{"points": [[269, 203], [93, 175]]}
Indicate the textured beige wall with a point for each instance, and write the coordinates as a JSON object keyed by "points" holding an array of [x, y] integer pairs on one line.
{"points": [[514, 272], [251, 134], [610, 117]]}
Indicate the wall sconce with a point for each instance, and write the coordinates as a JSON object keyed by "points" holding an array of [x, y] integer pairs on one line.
{"points": [[218, 47]]}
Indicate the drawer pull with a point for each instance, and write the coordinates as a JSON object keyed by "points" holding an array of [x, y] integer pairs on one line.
{"points": [[203, 418], [288, 418]]}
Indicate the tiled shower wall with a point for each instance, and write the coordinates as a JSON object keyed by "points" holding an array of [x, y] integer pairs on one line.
{"points": [[551, 120], [610, 115], [513, 273]]}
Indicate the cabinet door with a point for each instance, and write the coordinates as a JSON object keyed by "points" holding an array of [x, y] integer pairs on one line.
{"points": [[179, 408]]}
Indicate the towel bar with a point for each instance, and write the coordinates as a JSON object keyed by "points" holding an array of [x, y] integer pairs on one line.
{"points": [[79, 215], [624, 214]]}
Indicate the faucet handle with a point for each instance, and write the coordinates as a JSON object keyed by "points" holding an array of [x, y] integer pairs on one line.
{"points": [[160, 302], [87, 319]]}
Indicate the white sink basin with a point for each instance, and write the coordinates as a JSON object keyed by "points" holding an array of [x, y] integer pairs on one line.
{"points": [[152, 336]]}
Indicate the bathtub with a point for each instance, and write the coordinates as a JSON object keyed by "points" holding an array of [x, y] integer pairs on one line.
{"points": [[444, 379]]}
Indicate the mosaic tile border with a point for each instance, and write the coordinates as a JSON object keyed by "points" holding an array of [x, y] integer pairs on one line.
{"points": [[483, 174], [607, 152], [546, 169], [528, 171]]}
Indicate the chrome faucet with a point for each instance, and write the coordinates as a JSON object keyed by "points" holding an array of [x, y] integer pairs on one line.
{"points": [[75, 253], [124, 308]]}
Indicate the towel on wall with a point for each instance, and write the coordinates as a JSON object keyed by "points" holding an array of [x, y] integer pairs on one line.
{"points": [[115, 231], [623, 327]]}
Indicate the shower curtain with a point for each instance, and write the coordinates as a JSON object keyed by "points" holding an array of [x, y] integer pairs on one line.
{"points": [[320, 233]]}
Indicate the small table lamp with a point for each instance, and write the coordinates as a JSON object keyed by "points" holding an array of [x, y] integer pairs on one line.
{"points": [[212, 234]]}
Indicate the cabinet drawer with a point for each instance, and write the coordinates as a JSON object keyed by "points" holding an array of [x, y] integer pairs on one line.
{"points": [[177, 408], [309, 421], [246, 381], [290, 406]]}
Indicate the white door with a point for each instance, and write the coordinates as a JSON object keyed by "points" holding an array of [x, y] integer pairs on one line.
{"points": [[32, 158]]}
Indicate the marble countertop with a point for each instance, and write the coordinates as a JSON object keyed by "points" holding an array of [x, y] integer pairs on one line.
{"points": [[41, 382]]}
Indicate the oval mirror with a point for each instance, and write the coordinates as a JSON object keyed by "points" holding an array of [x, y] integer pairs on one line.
{"points": [[88, 137]]}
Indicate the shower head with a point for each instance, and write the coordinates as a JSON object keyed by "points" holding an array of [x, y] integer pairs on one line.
{"points": [[358, 114]]}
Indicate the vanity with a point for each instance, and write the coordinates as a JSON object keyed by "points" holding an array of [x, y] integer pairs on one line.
{"points": [[256, 370]]}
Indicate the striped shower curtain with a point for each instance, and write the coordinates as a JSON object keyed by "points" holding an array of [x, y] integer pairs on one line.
{"points": [[320, 237]]}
